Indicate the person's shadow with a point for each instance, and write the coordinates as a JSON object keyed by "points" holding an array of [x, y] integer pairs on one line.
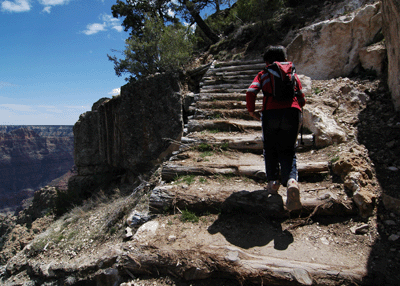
{"points": [[250, 219]]}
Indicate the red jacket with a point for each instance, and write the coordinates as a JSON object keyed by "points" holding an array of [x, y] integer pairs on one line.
{"points": [[263, 82]]}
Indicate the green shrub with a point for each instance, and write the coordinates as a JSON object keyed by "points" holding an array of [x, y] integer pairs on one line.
{"points": [[188, 216]]}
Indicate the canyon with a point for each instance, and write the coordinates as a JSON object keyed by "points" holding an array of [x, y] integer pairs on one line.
{"points": [[32, 157]]}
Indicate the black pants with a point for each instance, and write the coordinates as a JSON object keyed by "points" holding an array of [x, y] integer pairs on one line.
{"points": [[280, 129]]}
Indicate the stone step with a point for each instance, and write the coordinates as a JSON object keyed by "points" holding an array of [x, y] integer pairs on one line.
{"points": [[224, 80], [224, 113], [223, 125], [172, 170], [224, 90], [229, 77], [246, 247], [218, 64], [235, 68], [243, 141], [222, 96], [228, 104], [239, 86], [170, 196]]}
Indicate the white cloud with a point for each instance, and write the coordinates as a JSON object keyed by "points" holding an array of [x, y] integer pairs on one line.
{"points": [[115, 91], [50, 3], [108, 22], [47, 9], [16, 6], [118, 28], [53, 2], [94, 28]]}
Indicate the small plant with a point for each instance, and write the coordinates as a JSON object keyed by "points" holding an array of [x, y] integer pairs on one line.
{"points": [[224, 146], [113, 230], [188, 216], [58, 238], [207, 153], [216, 116], [213, 131], [317, 90], [188, 179], [39, 245], [202, 180], [335, 159], [204, 147]]}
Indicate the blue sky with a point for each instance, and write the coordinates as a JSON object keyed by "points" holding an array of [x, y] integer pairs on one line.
{"points": [[53, 59]]}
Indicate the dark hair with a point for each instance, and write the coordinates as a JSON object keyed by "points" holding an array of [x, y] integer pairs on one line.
{"points": [[275, 54]]}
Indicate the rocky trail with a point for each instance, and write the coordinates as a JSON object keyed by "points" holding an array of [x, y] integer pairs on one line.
{"points": [[220, 171], [209, 220]]}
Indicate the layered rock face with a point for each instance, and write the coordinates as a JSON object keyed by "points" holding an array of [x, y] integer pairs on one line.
{"points": [[391, 24], [31, 157], [128, 134]]}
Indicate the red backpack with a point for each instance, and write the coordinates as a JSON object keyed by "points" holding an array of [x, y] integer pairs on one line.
{"points": [[283, 80]]}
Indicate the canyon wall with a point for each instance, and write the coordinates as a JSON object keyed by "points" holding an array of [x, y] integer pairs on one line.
{"points": [[128, 134], [30, 158]]}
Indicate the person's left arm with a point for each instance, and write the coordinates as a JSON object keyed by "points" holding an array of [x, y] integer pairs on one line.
{"points": [[301, 99]]}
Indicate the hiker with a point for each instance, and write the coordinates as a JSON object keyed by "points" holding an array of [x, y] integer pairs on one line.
{"points": [[281, 116]]}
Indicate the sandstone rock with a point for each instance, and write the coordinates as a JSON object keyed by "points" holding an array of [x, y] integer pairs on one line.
{"points": [[331, 48], [362, 229], [147, 230], [372, 58], [323, 126], [354, 169], [391, 22], [365, 201]]}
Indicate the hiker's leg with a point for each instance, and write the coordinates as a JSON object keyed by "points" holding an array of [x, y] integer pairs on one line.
{"points": [[270, 126], [288, 136]]}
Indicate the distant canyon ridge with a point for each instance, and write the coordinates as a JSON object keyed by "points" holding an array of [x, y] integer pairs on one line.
{"points": [[32, 157]]}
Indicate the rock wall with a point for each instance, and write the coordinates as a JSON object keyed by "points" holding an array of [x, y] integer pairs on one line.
{"points": [[29, 160], [128, 134], [391, 30], [331, 48]]}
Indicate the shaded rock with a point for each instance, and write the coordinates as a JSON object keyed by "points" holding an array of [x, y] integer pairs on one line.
{"points": [[390, 203], [391, 22], [128, 134], [373, 57], [354, 169], [365, 201], [362, 229], [137, 218]]}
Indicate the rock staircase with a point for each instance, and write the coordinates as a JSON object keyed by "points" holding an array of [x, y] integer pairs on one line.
{"points": [[218, 221]]}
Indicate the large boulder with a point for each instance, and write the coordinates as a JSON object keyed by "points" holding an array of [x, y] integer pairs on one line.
{"points": [[331, 48], [391, 30], [128, 134]]}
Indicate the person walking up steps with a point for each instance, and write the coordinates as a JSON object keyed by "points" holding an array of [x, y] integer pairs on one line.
{"points": [[281, 116]]}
